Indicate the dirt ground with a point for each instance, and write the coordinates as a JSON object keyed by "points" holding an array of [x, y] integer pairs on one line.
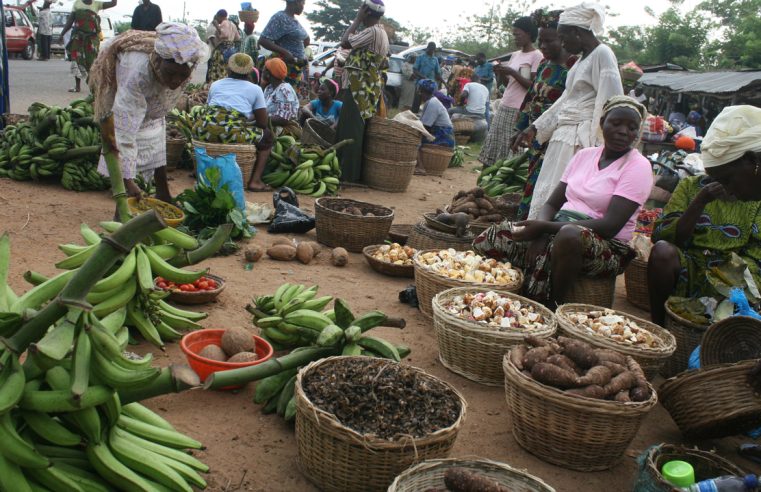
{"points": [[250, 451]]}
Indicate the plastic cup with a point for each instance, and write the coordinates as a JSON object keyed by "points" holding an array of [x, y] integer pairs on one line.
{"points": [[678, 473]]}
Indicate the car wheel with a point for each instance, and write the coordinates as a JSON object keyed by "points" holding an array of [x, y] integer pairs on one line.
{"points": [[28, 53]]}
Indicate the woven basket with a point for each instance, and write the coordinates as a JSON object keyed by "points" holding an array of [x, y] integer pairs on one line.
{"points": [[429, 475], [385, 175], [14, 118], [248, 16], [731, 340], [245, 155], [352, 232], [578, 433], [391, 140], [597, 291], [463, 125], [317, 133], [712, 402], [461, 139], [650, 359], [706, 465], [399, 233], [435, 159], [423, 237], [337, 458], [201, 296], [174, 149], [688, 336], [428, 284], [474, 351], [635, 278], [386, 268]]}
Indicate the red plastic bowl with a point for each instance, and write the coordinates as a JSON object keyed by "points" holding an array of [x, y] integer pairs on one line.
{"points": [[194, 342]]}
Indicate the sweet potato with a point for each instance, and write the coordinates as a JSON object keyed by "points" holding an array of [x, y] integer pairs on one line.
{"points": [[611, 355], [561, 360], [535, 341], [282, 252], [463, 480], [484, 204], [640, 394], [615, 369], [517, 354], [339, 257], [639, 374], [598, 375], [464, 207], [535, 356], [622, 396], [623, 381], [591, 391], [459, 195], [477, 192], [580, 352], [554, 376], [304, 253]]}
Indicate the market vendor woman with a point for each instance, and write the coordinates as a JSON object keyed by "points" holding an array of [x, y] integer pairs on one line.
{"points": [[585, 226], [710, 217]]}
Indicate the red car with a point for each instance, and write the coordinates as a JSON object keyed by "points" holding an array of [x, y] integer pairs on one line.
{"points": [[19, 32]]}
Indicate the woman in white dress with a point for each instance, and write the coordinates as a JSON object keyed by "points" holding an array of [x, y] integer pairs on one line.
{"points": [[573, 122]]}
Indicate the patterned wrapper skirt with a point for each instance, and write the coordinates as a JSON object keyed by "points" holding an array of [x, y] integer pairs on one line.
{"points": [[497, 143]]}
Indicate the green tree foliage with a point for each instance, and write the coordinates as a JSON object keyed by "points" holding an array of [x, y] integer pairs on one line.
{"points": [[331, 18], [740, 21]]}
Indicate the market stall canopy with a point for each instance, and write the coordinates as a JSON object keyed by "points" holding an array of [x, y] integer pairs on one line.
{"points": [[744, 84]]}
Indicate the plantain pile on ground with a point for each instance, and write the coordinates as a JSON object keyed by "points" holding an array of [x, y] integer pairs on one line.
{"points": [[505, 176], [310, 171]]}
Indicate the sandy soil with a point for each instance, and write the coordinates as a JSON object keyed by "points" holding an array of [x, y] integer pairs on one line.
{"points": [[250, 451]]}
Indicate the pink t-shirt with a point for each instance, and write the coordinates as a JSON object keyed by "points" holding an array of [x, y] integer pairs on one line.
{"points": [[590, 189], [514, 92]]}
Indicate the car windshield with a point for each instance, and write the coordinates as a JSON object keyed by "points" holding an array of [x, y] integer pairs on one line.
{"points": [[395, 64], [59, 19]]}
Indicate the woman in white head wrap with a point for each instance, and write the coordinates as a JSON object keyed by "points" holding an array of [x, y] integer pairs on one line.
{"points": [[571, 123], [711, 217], [139, 77]]}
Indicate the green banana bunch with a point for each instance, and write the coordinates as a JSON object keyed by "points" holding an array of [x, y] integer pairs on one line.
{"points": [[308, 171], [505, 176], [458, 158]]}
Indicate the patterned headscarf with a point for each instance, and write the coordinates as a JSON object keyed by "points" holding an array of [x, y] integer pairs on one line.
{"points": [[546, 19], [587, 15], [180, 43], [376, 6], [427, 85], [616, 102], [276, 67], [734, 132]]}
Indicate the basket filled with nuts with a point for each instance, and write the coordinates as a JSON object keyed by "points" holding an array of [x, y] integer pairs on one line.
{"points": [[649, 344], [476, 327], [439, 270], [392, 259]]}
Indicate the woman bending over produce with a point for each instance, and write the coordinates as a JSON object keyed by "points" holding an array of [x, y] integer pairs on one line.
{"points": [[601, 192], [711, 217]]}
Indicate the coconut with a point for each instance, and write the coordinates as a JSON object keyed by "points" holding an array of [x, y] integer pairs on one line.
{"points": [[244, 357], [236, 340], [213, 352]]}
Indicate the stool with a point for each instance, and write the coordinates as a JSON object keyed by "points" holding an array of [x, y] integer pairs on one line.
{"points": [[597, 291]]}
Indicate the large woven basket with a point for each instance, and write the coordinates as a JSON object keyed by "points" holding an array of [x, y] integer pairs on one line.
{"points": [[386, 175], [391, 140], [461, 139], [731, 340], [635, 278], [574, 432], [352, 232], [174, 149], [706, 465], [423, 237], [245, 155], [248, 16], [386, 268], [337, 458], [429, 475], [713, 401], [650, 359], [688, 336], [471, 349], [435, 158], [428, 284], [597, 291], [317, 133]]}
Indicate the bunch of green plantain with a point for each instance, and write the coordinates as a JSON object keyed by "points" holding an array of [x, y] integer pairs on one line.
{"points": [[505, 176], [307, 170]]}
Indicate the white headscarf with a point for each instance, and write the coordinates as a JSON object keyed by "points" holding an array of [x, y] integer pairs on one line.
{"points": [[180, 43], [734, 132], [587, 15]]}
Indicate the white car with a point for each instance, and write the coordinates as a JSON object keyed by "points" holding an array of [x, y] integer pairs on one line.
{"points": [[323, 63], [59, 20], [394, 75]]}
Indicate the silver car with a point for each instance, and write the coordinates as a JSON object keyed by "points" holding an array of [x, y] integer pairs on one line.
{"points": [[394, 75]]}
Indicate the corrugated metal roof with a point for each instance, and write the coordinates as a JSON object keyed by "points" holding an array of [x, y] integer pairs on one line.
{"points": [[707, 82]]}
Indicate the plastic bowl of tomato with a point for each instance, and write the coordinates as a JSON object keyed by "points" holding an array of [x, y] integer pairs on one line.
{"points": [[203, 290]]}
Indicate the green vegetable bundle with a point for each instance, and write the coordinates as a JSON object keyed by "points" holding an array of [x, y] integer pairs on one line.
{"points": [[505, 176]]}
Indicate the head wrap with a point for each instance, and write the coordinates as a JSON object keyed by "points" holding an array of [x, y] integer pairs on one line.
{"points": [[276, 67], [376, 6], [526, 24], [734, 132], [685, 143], [240, 63], [545, 19], [427, 85], [330, 83], [587, 15], [221, 13], [180, 43], [616, 102], [234, 19]]}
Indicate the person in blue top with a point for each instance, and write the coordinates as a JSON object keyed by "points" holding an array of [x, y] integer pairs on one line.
{"points": [[285, 37], [426, 68], [325, 108], [485, 71]]}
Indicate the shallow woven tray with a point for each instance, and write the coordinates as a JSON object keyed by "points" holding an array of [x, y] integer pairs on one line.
{"points": [[731, 340], [423, 237], [391, 140], [429, 475], [337, 458], [688, 336], [432, 223], [650, 359], [429, 284], [706, 464], [597, 291], [635, 278], [353, 232], [471, 349], [578, 433], [399, 233], [199, 297], [387, 175], [245, 155], [317, 133], [386, 268], [153, 202], [714, 401], [435, 158]]}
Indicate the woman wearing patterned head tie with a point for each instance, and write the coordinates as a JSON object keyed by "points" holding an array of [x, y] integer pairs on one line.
{"points": [[584, 227], [710, 218], [139, 77]]}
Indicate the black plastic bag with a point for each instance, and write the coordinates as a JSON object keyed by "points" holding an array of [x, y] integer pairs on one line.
{"points": [[409, 296], [288, 216], [286, 195]]}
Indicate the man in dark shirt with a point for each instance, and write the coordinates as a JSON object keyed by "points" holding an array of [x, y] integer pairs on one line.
{"points": [[146, 16]]}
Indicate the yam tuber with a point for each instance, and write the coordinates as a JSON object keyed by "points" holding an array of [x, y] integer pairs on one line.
{"points": [[615, 369], [464, 480], [536, 355], [283, 240], [555, 376], [611, 355], [640, 394], [622, 382], [304, 253], [598, 375], [339, 257], [464, 207], [517, 354], [636, 369], [535, 341], [591, 391], [316, 248], [561, 360], [622, 396], [484, 204], [282, 252], [580, 352]]}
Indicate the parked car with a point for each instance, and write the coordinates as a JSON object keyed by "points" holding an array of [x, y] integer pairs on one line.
{"points": [[394, 75], [19, 33], [323, 63]]}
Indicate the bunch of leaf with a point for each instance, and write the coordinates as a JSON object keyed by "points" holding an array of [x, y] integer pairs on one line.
{"points": [[733, 274], [210, 205], [458, 158]]}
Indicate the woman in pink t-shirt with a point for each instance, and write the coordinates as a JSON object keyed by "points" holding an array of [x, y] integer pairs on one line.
{"points": [[601, 192], [519, 73]]}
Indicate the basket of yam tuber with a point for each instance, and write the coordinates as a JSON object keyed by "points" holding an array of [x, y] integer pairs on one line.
{"points": [[361, 421], [351, 224], [574, 405], [460, 475], [482, 210], [713, 401], [476, 327], [393, 259], [648, 343], [706, 465], [439, 270]]}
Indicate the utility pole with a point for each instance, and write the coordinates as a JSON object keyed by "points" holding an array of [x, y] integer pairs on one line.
{"points": [[183, 12]]}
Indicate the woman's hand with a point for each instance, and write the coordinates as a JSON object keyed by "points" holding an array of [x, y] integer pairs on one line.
{"points": [[524, 138], [133, 190], [528, 230], [362, 12], [536, 248], [711, 192]]}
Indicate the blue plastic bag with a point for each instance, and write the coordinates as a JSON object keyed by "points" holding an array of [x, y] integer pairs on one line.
{"points": [[229, 171]]}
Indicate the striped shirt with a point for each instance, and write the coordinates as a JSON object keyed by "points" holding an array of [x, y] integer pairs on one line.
{"points": [[372, 39]]}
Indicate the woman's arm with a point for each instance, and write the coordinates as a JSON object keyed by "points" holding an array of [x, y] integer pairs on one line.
{"points": [[67, 26], [108, 5], [361, 14], [270, 45], [685, 226]]}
